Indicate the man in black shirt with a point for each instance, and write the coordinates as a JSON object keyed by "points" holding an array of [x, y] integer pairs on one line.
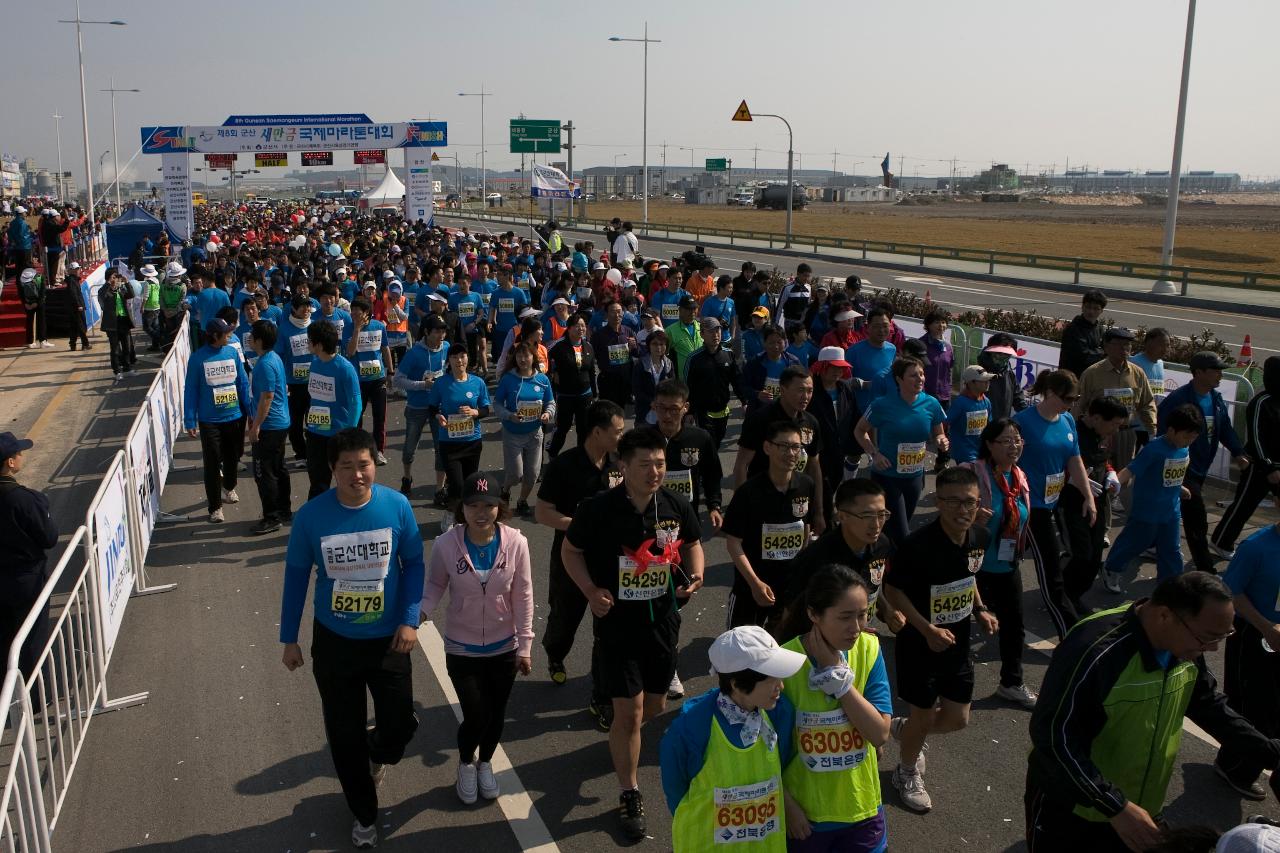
{"points": [[573, 376], [693, 459], [714, 378], [796, 390], [1095, 430], [766, 526], [632, 550], [27, 531], [569, 479], [1082, 338], [933, 582]]}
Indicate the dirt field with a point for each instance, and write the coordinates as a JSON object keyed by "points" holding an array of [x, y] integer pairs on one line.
{"points": [[1225, 233]]}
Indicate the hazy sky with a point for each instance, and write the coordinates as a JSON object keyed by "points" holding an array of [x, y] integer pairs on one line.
{"points": [[1018, 81]]}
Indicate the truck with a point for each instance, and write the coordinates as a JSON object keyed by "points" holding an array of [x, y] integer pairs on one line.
{"points": [[774, 197]]}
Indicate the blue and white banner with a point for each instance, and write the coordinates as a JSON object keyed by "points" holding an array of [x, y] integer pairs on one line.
{"points": [[289, 135], [550, 182], [109, 527]]}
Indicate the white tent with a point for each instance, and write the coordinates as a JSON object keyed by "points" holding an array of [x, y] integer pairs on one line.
{"points": [[390, 191]]}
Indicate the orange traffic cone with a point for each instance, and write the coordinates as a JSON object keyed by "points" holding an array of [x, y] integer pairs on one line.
{"points": [[1246, 353]]}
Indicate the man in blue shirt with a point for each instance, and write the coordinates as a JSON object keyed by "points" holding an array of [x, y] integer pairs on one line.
{"points": [[871, 358], [333, 389], [330, 312], [209, 299], [217, 399], [364, 545], [269, 425]]}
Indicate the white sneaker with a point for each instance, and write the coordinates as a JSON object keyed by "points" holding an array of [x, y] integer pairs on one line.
{"points": [[46, 344], [381, 458], [1221, 552], [33, 345], [229, 496], [895, 732], [1111, 580], [910, 787], [119, 376], [466, 784], [676, 689], [1019, 695], [485, 778], [363, 837], [216, 517]]}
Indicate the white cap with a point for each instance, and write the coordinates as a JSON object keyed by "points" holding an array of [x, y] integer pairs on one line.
{"points": [[73, 265], [1250, 838], [387, 275], [21, 209], [559, 301], [147, 271], [599, 266], [342, 271], [847, 314], [436, 297], [559, 265], [29, 274], [976, 373], [528, 311], [751, 647]]}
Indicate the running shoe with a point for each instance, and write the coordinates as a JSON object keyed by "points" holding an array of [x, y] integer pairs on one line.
{"points": [[267, 525], [363, 837], [441, 500], [406, 486], [1251, 791], [523, 509], [675, 690], [1219, 551], [1111, 580], [603, 714], [216, 516], [1018, 695], [378, 773], [486, 780], [466, 784], [381, 458], [229, 496], [119, 376], [46, 344], [558, 674], [895, 732], [910, 787], [631, 814]]}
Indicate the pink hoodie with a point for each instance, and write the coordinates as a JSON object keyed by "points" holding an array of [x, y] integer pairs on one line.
{"points": [[482, 614]]}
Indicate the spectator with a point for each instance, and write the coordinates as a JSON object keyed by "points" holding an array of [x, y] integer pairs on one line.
{"points": [[1082, 338], [27, 531]]}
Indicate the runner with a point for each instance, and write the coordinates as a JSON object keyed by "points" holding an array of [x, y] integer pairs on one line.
{"points": [[796, 391], [456, 402], [615, 345], [366, 346], [714, 379], [1084, 541], [524, 404], [422, 365], [843, 707], [483, 563], [573, 376], [969, 414], [932, 583], [609, 552], [216, 400], [1263, 448], [649, 371], [722, 758], [294, 349], [363, 542], [872, 357], [683, 334], [693, 460], [268, 428], [761, 375], [333, 389]]}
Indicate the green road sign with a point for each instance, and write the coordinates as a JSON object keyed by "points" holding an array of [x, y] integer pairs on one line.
{"points": [[534, 136], [717, 165]]}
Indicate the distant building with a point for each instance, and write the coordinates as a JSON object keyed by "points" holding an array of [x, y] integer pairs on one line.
{"points": [[707, 195]]}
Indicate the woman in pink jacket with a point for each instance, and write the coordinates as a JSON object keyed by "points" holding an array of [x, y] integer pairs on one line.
{"points": [[488, 625]]}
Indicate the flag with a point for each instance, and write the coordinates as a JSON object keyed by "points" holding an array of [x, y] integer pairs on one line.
{"points": [[884, 166], [550, 182]]}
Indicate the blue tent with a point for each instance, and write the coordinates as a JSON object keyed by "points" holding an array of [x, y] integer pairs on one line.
{"points": [[124, 232]]}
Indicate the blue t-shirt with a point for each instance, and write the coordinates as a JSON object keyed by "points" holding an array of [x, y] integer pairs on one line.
{"points": [[805, 352], [271, 314], [1205, 402], [966, 419], [209, 302], [903, 429], [485, 290], [368, 356], [419, 364], [505, 308], [217, 388], [520, 395], [752, 344], [483, 556], [269, 377], [339, 319], [1047, 448], [1255, 572], [991, 561], [1155, 381], [368, 564], [469, 308], [667, 304], [1158, 471], [335, 396], [722, 310], [294, 349], [870, 363], [243, 336], [449, 395]]}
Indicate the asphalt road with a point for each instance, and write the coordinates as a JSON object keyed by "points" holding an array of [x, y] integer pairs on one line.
{"points": [[229, 753], [962, 294]]}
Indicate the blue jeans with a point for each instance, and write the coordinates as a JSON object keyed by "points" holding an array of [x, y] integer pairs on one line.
{"points": [[1137, 536], [415, 420]]}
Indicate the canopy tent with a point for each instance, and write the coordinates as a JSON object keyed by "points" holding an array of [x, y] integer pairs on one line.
{"points": [[124, 232], [390, 191]]}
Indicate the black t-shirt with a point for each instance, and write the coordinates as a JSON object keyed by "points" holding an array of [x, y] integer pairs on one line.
{"points": [[771, 525], [746, 298], [756, 426], [567, 481], [607, 528], [871, 563], [939, 577], [693, 467]]}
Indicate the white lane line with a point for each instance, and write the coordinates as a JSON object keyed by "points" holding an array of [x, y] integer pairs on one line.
{"points": [[917, 279], [516, 805]]}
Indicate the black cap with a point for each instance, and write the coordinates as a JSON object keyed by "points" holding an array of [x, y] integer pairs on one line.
{"points": [[1117, 333], [11, 445], [480, 488], [688, 303], [1206, 360]]}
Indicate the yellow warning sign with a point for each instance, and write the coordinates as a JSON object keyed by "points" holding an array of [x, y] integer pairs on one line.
{"points": [[743, 114], [435, 157]]}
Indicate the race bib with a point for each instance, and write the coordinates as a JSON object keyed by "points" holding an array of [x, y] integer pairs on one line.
{"points": [[1208, 429], [619, 353], [460, 427], [747, 812], [1174, 471], [357, 597], [225, 397], [220, 372], [975, 422], [911, 457], [670, 312], [302, 371], [506, 305], [369, 341], [300, 344], [484, 299], [680, 482], [635, 585], [361, 556], [781, 541], [246, 342], [337, 322], [322, 388], [828, 742], [1008, 549], [772, 387], [1123, 396], [951, 602], [319, 417], [466, 310], [528, 411], [1053, 484], [371, 369]]}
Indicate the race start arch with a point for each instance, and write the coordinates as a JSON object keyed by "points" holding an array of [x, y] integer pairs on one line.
{"points": [[271, 138]]}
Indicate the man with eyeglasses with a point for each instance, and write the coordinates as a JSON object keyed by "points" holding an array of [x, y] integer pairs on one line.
{"points": [[1106, 730], [766, 526], [857, 540]]}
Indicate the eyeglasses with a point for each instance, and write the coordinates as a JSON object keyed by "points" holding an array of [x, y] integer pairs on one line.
{"points": [[787, 447], [883, 515], [669, 409], [1212, 641], [1009, 442], [960, 503]]}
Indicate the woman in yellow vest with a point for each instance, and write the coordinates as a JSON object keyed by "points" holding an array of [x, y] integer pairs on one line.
{"points": [[843, 706], [722, 758]]}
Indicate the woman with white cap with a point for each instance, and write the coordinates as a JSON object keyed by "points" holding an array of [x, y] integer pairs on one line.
{"points": [[151, 322], [722, 758]]}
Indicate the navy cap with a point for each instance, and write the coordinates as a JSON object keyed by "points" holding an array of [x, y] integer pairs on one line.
{"points": [[217, 326], [11, 445]]}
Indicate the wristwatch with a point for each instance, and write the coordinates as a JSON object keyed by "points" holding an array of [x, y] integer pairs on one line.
{"points": [[981, 608]]}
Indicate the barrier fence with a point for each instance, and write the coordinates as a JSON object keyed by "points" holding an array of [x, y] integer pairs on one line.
{"points": [[50, 708]]}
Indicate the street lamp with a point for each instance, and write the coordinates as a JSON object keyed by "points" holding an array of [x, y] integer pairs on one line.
{"points": [[615, 171], [644, 126], [791, 144], [84, 107], [691, 156], [115, 138], [482, 94], [1165, 286], [57, 123]]}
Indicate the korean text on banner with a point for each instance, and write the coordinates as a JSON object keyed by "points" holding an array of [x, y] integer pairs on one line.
{"points": [[146, 489], [550, 182], [110, 530], [418, 186], [173, 378], [177, 194], [161, 441]]}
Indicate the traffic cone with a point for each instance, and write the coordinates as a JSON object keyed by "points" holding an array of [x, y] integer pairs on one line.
{"points": [[1246, 353]]}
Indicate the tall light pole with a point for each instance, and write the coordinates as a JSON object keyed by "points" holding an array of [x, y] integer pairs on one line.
{"points": [[115, 137], [482, 94], [84, 108], [791, 144], [57, 123], [615, 171], [1164, 285], [644, 125]]}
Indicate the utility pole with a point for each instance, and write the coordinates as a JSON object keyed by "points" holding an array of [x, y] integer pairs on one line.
{"points": [[568, 146], [1164, 285], [57, 123], [834, 155], [755, 163]]}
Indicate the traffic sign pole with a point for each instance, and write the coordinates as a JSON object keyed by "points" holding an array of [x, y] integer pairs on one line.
{"points": [[744, 114]]}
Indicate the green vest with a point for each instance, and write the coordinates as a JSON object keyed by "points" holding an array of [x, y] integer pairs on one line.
{"points": [[834, 775], [151, 296], [735, 801]]}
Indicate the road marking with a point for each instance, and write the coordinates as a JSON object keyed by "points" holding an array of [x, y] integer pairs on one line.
{"points": [[516, 805], [914, 279], [46, 416]]}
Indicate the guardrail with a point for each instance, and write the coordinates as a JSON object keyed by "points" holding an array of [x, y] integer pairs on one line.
{"points": [[1080, 271]]}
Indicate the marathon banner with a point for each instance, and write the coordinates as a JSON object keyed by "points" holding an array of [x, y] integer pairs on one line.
{"points": [[108, 524], [270, 158], [292, 133], [550, 182], [220, 161], [370, 157], [176, 187], [418, 187], [317, 158]]}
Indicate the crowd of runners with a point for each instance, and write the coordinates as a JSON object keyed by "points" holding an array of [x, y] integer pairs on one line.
{"points": [[306, 319]]}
